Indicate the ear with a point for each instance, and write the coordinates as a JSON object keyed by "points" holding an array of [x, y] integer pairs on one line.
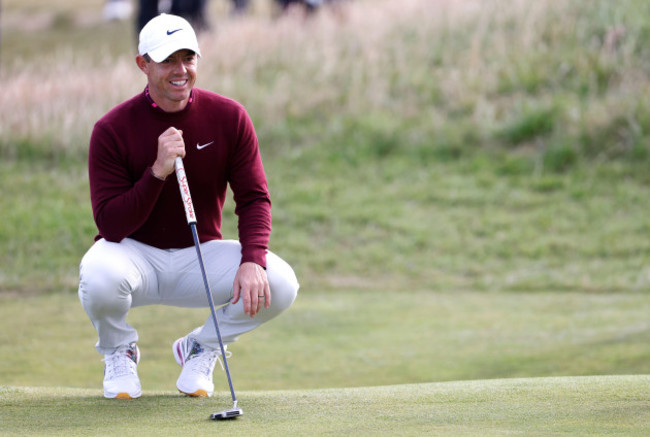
{"points": [[142, 64]]}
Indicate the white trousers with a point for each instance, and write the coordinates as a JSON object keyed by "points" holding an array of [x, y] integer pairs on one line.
{"points": [[115, 277]]}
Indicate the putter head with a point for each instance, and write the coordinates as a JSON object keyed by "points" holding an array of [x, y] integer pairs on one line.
{"points": [[233, 413]]}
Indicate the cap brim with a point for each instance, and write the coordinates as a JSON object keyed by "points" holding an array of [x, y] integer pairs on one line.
{"points": [[161, 53]]}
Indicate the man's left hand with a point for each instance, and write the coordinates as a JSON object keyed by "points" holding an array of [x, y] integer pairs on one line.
{"points": [[252, 285]]}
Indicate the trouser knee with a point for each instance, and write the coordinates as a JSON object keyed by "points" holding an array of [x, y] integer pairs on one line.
{"points": [[284, 289], [103, 287]]}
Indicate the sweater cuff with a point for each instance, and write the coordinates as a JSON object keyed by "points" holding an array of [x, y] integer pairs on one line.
{"points": [[255, 255], [155, 177], [151, 185]]}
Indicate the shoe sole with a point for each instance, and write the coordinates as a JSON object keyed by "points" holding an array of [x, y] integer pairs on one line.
{"points": [[196, 394], [123, 395]]}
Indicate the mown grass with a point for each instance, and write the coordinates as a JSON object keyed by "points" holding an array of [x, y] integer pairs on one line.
{"points": [[594, 406], [349, 338]]}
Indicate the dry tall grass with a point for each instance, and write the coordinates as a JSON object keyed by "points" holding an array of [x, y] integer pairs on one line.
{"points": [[439, 62]]}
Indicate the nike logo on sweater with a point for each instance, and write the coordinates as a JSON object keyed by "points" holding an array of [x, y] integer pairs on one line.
{"points": [[203, 146]]}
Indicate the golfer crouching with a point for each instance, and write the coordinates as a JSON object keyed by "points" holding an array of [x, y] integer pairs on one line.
{"points": [[144, 252]]}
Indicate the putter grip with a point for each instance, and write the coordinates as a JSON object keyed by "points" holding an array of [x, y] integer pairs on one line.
{"points": [[185, 190]]}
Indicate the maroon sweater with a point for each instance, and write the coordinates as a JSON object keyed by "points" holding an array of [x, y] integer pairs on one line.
{"points": [[128, 201]]}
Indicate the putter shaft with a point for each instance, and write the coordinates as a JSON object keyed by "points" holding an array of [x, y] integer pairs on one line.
{"points": [[184, 187]]}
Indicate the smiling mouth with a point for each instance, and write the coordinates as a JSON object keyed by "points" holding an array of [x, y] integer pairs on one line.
{"points": [[178, 82]]}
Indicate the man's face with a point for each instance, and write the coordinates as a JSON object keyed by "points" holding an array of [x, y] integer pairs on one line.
{"points": [[171, 80]]}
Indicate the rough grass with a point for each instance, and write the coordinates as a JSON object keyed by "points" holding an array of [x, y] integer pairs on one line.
{"points": [[392, 225]]}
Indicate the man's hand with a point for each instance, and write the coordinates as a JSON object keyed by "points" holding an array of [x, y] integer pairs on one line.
{"points": [[170, 145], [252, 285]]}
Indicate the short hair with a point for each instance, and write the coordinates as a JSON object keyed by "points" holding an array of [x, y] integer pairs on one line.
{"points": [[148, 58]]}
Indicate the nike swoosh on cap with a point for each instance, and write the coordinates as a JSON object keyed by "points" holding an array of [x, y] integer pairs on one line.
{"points": [[204, 145], [169, 32]]}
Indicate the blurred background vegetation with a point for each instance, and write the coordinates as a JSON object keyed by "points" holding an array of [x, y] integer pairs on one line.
{"points": [[440, 145], [460, 185]]}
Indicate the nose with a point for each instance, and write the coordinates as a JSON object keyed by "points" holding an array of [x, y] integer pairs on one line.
{"points": [[179, 67]]}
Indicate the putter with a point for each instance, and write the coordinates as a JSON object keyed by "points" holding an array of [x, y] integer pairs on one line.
{"points": [[234, 412]]}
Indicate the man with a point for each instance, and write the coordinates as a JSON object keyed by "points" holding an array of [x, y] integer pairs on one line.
{"points": [[144, 252]]}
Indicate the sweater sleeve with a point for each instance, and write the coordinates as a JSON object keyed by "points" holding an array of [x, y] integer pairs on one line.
{"points": [[251, 195], [121, 202]]}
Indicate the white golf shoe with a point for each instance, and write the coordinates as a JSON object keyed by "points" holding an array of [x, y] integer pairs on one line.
{"points": [[198, 365], [121, 373]]}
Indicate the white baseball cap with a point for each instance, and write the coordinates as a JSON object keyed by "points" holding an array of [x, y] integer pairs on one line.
{"points": [[166, 34]]}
